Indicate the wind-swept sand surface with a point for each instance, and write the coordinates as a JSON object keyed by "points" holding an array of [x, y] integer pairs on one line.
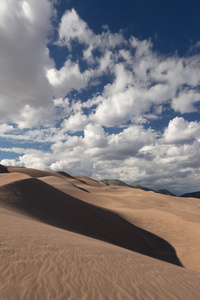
{"points": [[65, 237]]}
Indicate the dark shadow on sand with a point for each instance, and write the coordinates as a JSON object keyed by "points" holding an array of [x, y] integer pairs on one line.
{"points": [[56, 208]]}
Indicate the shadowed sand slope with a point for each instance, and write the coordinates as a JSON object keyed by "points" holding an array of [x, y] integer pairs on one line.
{"points": [[39, 261], [59, 209], [65, 237], [174, 219]]}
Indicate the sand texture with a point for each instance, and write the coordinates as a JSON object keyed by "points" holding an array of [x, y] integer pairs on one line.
{"points": [[65, 237]]}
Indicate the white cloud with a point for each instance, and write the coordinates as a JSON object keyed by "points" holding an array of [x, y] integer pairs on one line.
{"points": [[106, 62], [11, 162], [24, 26], [143, 48], [34, 161], [121, 107], [76, 122], [176, 167], [181, 131], [159, 94], [111, 83], [78, 166], [128, 142], [27, 11], [184, 102], [123, 78], [44, 135], [94, 136], [5, 128], [72, 27], [30, 117], [66, 79], [135, 155], [117, 146], [141, 81]]}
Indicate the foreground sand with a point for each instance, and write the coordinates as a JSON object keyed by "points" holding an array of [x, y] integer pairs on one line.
{"points": [[75, 238]]}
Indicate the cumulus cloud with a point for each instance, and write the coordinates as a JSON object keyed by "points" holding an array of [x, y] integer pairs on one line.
{"points": [[76, 122], [138, 82], [5, 128], [93, 114], [94, 136], [66, 79], [73, 29], [185, 101], [133, 155], [174, 166], [181, 131], [24, 26], [121, 146]]}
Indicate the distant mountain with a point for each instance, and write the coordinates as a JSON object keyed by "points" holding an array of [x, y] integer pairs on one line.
{"points": [[114, 182], [193, 195], [135, 186], [3, 169], [165, 192], [121, 183]]}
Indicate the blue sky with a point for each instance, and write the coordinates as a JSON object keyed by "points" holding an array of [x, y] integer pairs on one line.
{"points": [[105, 89]]}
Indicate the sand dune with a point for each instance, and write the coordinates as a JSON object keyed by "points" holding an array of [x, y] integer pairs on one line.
{"points": [[38, 173], [65, 237], [52, 206], [90, 181], [12, 177]]}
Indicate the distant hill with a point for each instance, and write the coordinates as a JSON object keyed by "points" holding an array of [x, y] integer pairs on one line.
{"points": [[193, 195], [3, 169], [122, 183], [135, 186], [114, 182], [165, 192]]}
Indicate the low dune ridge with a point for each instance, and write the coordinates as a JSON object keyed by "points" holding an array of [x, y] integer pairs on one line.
{"points": [[66, 186], [90, 181], [32, 172], [12, 177], [72, 237]]}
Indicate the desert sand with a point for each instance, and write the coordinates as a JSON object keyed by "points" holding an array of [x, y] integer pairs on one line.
{"points": [[65, 237]]}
